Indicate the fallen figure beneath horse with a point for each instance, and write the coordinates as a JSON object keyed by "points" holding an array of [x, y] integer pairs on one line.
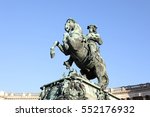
{"points": [[83, 52]]}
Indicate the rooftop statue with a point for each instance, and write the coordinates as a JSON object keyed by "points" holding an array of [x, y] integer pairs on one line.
{"points": [[83, 51]]}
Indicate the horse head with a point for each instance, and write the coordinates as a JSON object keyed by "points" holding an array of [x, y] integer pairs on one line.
{"points": [[69, 25], [72, 26]]}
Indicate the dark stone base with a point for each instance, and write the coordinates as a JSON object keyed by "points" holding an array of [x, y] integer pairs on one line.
{"points": [[74, 87]]}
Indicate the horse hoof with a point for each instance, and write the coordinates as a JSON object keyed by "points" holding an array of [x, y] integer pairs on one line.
{"points": [[52, 53]]}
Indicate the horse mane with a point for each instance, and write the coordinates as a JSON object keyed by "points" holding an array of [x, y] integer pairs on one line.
{"points": [[77, 28]]}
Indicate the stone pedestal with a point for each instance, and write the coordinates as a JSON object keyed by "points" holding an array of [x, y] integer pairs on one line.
{"points": [[74, 87]]}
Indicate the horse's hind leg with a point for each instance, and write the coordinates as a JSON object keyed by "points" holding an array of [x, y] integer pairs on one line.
{"points": [[98, 75], [102, 77]]}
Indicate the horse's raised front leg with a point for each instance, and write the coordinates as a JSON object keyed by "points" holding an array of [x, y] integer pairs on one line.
{"points": [[52, 49], [61, 47]]}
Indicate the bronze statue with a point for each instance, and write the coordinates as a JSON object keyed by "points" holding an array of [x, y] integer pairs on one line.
{"points": [[83, 52]]}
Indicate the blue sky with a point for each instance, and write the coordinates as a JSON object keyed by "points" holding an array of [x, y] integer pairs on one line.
{"points": [[28, 29]]}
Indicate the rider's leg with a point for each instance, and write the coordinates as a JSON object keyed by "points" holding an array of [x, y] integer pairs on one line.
{"points": [[92, 48]]}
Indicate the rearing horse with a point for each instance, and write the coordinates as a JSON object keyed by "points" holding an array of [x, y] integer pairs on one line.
{"points": [[74, 44]]}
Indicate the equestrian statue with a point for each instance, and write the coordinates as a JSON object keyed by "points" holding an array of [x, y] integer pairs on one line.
{"points": [[83, 51]]}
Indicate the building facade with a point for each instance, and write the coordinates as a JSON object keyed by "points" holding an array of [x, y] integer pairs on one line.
{"points": [[18, 96], [133, 92]]}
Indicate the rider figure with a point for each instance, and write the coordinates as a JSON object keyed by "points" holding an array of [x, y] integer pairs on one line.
{"points": [[93, 38]]}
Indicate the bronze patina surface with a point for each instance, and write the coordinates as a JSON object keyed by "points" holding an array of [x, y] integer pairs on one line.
{"points": [[83, 51]]}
